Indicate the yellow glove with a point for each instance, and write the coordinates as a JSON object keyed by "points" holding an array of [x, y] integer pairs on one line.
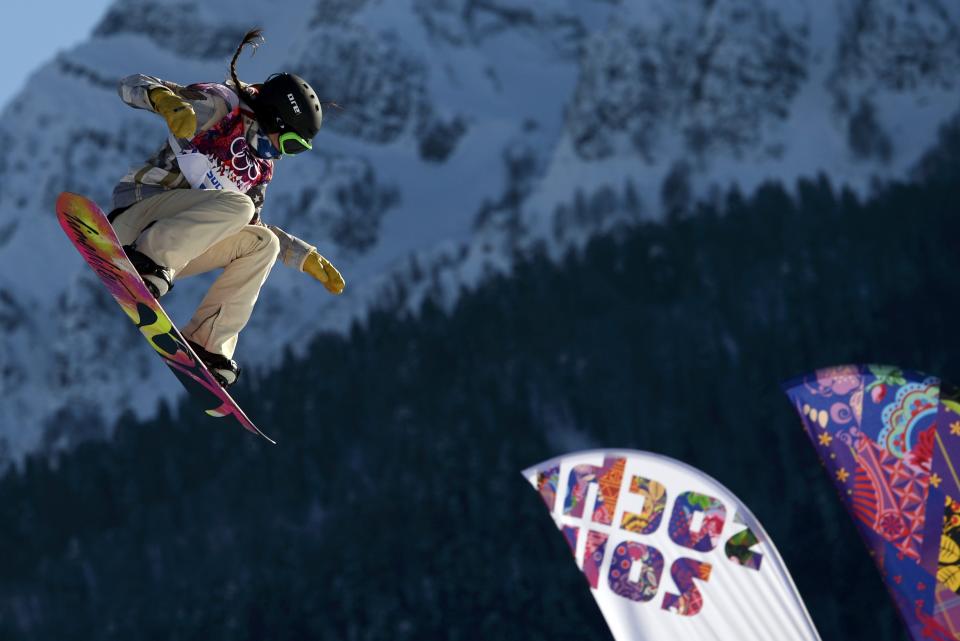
{"points": [[321, 269], [178, 113]]}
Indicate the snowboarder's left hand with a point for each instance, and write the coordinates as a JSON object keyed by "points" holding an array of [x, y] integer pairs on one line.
{"points": [[321, 269]]}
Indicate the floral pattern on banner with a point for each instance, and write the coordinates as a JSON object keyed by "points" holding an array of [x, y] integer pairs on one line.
{"points": [[625, 556], [738, 547], [948, 571], [607, 477], [914, 403], [888, 492], [707, 536], [890, 440], [654, 503], [690, 599], [547, 482], [593, 555]]}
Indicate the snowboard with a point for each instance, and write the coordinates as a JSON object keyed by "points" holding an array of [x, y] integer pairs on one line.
{"points": [[90, 232]]}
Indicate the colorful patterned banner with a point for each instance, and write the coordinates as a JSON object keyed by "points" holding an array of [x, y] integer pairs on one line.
{"points": [[890, 440], [668, 552]]}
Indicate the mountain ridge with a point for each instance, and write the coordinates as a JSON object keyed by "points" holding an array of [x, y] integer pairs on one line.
{"points": [[467, 128]]}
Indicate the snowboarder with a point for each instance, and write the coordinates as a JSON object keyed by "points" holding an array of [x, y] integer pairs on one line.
{"points": [[195, 205]]}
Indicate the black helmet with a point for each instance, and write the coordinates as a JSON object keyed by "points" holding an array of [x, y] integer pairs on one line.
{"points": [[287, 103]]}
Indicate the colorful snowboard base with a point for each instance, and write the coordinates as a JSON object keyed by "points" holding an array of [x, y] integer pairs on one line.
{"points": [[91, 233]]}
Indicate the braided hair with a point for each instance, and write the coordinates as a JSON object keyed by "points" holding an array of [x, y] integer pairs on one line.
{"points": [[254, 38]]}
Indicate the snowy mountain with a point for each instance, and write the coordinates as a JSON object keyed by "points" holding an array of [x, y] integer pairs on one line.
{"points": [[468, 128]]}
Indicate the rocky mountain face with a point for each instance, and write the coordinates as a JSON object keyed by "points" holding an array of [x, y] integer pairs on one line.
{"points": [[462, 130]]}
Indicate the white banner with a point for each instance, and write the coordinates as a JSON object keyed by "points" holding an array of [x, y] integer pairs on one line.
{"points": [[668, 552]]}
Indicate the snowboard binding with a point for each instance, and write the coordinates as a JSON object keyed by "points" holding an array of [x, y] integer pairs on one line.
{"points": [[225, 370], [158, 279]]}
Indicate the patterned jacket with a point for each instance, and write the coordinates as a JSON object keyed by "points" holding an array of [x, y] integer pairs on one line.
{"points": [[160, 172]]}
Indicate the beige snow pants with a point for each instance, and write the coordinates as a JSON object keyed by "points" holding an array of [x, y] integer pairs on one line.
{"points": [[192, 231]]}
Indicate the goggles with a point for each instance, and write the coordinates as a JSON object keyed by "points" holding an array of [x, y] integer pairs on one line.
{"points": [[292, 143]]}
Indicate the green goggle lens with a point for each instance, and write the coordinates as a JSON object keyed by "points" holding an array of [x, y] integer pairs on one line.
{"points": [[291, 143]]}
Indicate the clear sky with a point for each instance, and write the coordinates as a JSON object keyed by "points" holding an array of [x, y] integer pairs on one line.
{"points": [[35, 30]]}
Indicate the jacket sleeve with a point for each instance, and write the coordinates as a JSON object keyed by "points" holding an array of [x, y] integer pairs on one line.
{"points": [[209, 106], [293, 251], [257, 194], [135, 90]]}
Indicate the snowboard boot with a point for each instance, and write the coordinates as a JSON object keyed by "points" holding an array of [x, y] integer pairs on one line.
{"points": [[158, 279], [224, 369]]}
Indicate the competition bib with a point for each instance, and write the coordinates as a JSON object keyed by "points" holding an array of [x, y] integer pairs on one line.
{"points": [[221, 158]]}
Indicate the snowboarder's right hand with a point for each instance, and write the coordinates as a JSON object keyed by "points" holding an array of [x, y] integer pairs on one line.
{"points": [[179, 114]]}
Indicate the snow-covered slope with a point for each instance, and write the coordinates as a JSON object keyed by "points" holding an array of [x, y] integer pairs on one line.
{"points": [[468, 127]]}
